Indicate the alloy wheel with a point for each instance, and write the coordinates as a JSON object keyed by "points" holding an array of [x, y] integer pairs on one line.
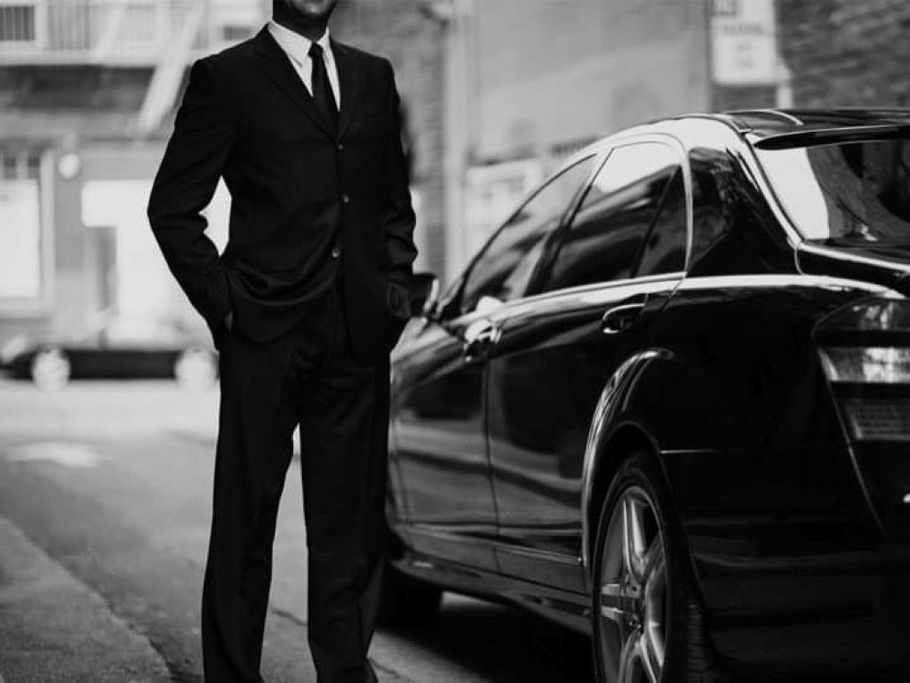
{"points": [[634, 609], [50, 369], [196, 370]]}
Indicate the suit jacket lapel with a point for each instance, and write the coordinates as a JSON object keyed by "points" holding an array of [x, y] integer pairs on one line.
{"points": [[278, 67], [349, 83]]}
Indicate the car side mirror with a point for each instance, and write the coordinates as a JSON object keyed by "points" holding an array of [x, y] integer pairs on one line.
{"points": [[424, 294]]}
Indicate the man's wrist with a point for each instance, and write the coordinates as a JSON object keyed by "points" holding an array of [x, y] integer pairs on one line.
{"points": [[398, 299]]}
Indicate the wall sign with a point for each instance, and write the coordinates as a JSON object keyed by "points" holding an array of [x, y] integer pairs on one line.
{"points": [[744, 42]]}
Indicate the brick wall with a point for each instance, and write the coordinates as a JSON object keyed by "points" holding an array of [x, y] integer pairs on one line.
{"points": [[554, 72], [415, 45], [847, 52], [840, 53]]}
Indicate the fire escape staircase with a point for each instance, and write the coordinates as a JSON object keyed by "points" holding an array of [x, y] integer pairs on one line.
{"points": [[167, 77]]}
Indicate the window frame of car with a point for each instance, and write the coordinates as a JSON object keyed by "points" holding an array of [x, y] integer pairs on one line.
{"points": [[722, 138], [450, 305], [536, 284]]}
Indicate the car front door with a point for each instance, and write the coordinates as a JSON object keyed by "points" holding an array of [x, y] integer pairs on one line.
{"points": [[618, 260], [437, 416]]}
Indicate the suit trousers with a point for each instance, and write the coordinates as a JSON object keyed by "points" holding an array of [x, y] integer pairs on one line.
{"points": [[307, 377]]}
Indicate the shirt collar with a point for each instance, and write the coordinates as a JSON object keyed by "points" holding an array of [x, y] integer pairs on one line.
{"points": [[296, 45]]}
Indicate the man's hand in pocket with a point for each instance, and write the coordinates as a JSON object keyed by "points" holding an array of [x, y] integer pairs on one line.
{"points": [[399, 300]]}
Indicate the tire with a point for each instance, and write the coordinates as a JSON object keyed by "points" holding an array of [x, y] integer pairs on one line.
{"points": [[406, 601], [648, 623], [196, 370], [50, 369]]}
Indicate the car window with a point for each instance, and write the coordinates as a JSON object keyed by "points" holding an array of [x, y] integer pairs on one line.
{"points": [[504, 266], [733, 229], [711, 216], [843, 194], [665, 246], [605, 238]]}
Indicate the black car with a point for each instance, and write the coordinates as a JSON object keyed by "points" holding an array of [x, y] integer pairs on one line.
{"points": [[668, 403], [114, 347]]}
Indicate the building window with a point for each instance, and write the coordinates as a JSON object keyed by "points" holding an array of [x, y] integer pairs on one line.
{"points": [[17, 23], [21, 236]]}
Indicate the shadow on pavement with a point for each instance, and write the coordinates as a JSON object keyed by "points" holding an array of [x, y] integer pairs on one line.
{"points": [[502, 644]]}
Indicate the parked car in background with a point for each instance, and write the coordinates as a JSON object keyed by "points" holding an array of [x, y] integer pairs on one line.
{"points": [[115, 347], [668, 403]]}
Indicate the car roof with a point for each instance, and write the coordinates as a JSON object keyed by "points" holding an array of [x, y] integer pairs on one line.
{"points": [[775, 128], [765, 123]]}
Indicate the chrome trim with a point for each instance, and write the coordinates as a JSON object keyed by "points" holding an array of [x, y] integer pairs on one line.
{"points": [[618, 310], [538, 554], [690, 451], [682, 157], [722, 135], [595, 292], [852, 258], [750, 160], [739, 281], [447, 536], [491, 544], [773, 112]]}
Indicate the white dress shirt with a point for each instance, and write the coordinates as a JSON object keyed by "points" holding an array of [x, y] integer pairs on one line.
{"points": [[297, 48]]}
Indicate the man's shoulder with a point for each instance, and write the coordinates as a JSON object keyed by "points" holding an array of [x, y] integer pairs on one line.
{"points": [[366, 59], [235, 56]]}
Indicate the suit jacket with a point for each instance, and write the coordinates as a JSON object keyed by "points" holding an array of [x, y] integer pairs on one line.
{"points": [[299, 191]]}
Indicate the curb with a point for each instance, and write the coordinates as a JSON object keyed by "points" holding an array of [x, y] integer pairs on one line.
{"points": [[54, 628]]}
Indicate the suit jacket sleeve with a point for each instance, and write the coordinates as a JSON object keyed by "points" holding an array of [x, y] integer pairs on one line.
{"points": [[204, 132], [397, 213]]}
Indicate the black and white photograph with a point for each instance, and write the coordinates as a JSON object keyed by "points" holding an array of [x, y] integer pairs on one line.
{"points": [[454, 341]]}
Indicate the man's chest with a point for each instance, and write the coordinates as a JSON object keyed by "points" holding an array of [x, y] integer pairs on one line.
{"points": [[284, 120]]}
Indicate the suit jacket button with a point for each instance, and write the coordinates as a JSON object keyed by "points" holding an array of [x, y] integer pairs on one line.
{"points": [[336, 251], [340, 147]]}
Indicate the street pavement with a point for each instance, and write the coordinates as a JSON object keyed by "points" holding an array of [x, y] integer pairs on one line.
{"points": [[105, 495]]}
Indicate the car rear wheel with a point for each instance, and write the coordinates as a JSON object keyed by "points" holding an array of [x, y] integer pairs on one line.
{"points": [[196, 370], [407, 601], [51, 369], [648, 624]]}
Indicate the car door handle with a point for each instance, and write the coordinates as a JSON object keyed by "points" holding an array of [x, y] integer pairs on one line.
{"points": [[622, 316], [479, 338]]}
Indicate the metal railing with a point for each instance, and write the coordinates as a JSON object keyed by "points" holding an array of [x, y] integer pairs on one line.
{"points": [[117, 32]]}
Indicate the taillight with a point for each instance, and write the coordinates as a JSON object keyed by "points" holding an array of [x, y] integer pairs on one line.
{"points": [[864, 350], [873, 365], [881, 313]]}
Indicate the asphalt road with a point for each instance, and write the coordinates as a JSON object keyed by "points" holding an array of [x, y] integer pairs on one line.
{"points": [[106, 489]]}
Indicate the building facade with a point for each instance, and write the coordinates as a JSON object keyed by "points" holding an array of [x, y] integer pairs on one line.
{"points": [[87, 92], [414, 43], [546, 77], [495, 93]]}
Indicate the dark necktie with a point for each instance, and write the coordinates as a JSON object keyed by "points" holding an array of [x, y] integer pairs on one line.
{"points": [[322, 88]]}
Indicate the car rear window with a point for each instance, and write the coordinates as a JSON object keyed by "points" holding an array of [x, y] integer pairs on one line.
{"points": [[844, 194]]}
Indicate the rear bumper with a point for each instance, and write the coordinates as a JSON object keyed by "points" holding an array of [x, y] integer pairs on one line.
{"points": [[835, 614]]}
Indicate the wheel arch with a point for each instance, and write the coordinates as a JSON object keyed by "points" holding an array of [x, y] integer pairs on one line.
{"points": [[611, 438], [627, 439]]}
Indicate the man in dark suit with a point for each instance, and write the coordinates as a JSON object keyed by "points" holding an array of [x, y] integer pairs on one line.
{"points": [[304, 306]]}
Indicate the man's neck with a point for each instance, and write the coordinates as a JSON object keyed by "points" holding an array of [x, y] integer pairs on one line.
{"points": [[312, 32]]}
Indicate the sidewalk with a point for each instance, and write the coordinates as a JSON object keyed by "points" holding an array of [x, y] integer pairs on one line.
{"points": [[53, 628]]}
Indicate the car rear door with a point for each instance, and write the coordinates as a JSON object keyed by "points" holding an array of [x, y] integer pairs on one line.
{"points": [[438, 421], [618, 260]]}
